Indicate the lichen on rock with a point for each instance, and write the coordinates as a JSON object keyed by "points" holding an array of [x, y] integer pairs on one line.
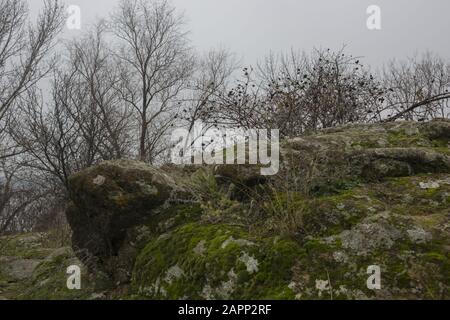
{"points": [[261, 270], [109, 198], [345, 199]]}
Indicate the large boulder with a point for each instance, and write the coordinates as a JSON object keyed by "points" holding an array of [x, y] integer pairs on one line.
{"points": [[109, 198], [326, 161]]}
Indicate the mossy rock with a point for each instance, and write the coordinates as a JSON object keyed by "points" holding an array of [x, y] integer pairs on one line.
{"points": [[49, 280], [366, 152], [411, 268], [402, 227], [400, 224], [200, 261], [364, 195], [29, 270], [111, 197], [24, 246]]}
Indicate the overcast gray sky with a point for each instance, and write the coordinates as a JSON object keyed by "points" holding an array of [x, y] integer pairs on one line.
{"points": [[252, 28]]}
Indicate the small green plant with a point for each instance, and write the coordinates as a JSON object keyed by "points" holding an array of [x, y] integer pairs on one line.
{"points": [[284, 212], [214, 200]]}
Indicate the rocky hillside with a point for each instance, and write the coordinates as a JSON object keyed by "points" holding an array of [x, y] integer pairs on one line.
{"points": [[32, 269], [345, 199]]}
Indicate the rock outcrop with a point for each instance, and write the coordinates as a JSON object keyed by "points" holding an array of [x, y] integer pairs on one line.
{"points": [[32, 268], [110, 198], [346, 199], [367, 153]]}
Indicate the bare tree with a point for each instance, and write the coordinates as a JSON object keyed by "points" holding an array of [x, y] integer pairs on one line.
{"points": [[95, 103], [23, 51], [156, 62], [74, 128], [418, 88], [84, 121], [51, 138], [207, 86], [18, 198], [23, 48]]}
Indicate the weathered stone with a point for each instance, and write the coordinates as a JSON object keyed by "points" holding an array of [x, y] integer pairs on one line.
{"points": [[364, 195], [111, 197], [368, 152], [19, 269]]}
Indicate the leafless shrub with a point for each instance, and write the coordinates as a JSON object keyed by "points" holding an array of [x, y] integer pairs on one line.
{"points": [[21, 199], [297, 93], [418, 88]]}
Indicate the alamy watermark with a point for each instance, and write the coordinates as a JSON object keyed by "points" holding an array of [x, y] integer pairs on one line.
{"points": [[74, 277], [227, 146], [374, 20], [374, 280], [73, 21]]}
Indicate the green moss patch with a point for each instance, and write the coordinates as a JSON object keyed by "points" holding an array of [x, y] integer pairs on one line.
{"points": [[199, 261], [49, 281]]}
